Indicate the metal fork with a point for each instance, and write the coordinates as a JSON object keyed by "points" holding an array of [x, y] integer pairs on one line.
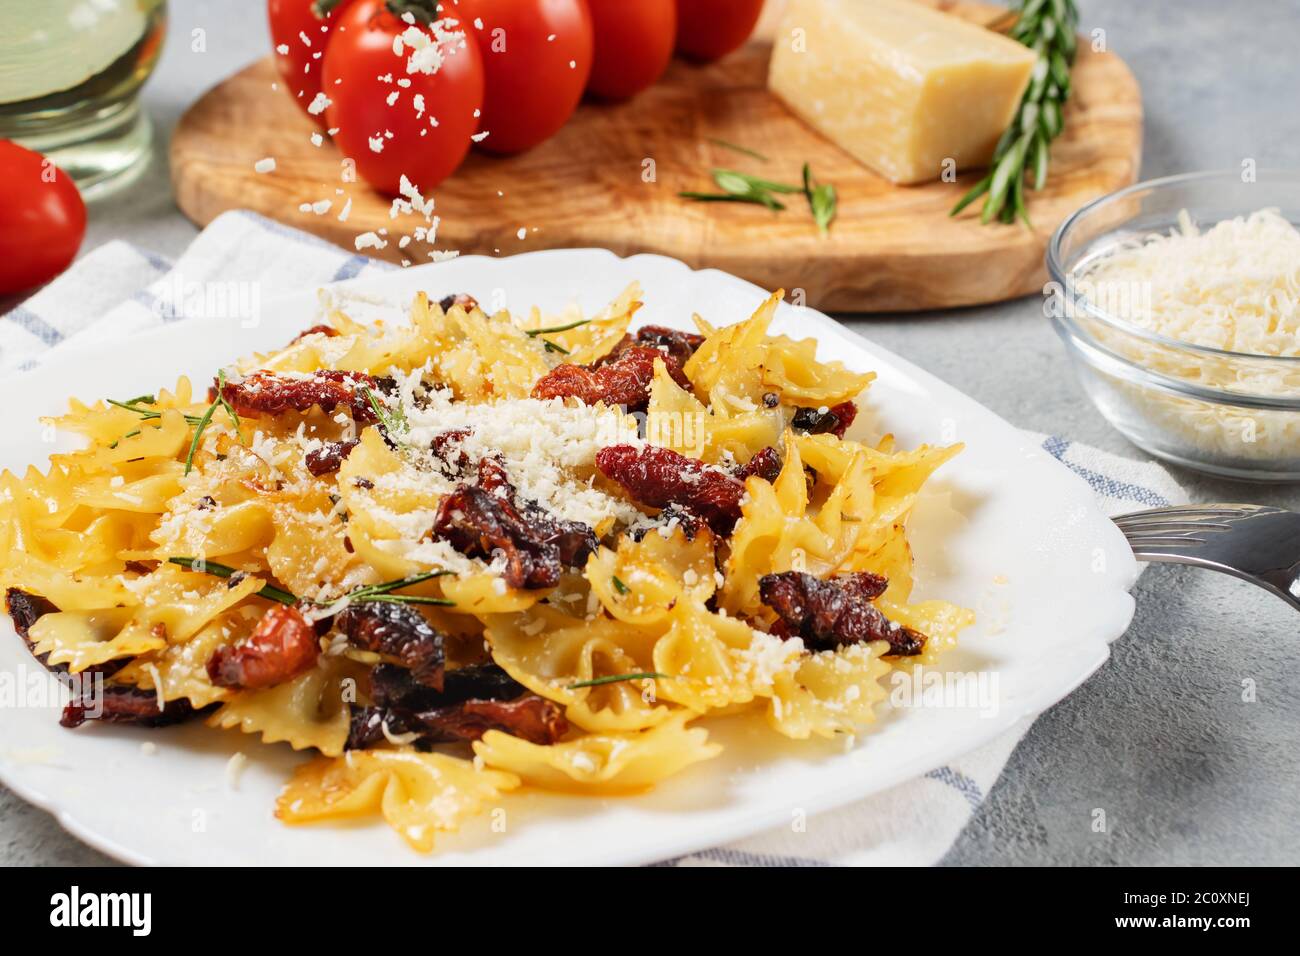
{"points": [[1255, 543]]}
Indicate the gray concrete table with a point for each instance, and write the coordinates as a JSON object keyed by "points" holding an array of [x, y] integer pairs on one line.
{"points": [[1160, 738]]}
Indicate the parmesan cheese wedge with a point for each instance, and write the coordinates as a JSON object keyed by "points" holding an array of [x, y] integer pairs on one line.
{"points": [[899, 86]]}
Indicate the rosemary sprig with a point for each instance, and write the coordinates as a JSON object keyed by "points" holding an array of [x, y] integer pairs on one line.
{"points": [[769, 202], [367, 592], [553, 347], [533, 333], [737, 183], [1047, 27], [206, 418], [383, 592], [393, 422], [616, 678], [269, 591], [744, 188]]}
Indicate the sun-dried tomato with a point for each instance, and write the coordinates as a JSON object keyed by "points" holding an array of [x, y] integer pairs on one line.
{"points": [[25, 609], [765, 464], [322, 329], [267, 393], [835, 420], [680, 345], [462, 299], [398, 631], [121, 704], [480, 521], [282, 645], [623, 381], [446, 450], [668, 519], [528, 717], [328, 458], [833, 613], [494, 479], [660, 477], [392, 686], [479, 524]]}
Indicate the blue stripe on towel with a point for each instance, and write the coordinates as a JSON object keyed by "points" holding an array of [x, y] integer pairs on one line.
{"points": [[351, 268], [732, 857], [1103, 484], [963, 784], [34, 324]]}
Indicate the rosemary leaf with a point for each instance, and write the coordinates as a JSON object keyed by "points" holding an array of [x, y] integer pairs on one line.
{"points": [[556, 328], [616, 678], [619, 586], [736, 183], [769, 202], [739, 149], [269, 591]]}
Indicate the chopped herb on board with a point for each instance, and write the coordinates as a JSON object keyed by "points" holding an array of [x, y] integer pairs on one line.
{"points": [[736, 186]]}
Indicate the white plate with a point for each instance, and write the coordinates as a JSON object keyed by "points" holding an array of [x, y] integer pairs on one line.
{"points": [[1005, 529]]}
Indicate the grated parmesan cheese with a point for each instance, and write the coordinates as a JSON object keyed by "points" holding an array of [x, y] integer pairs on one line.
{"points": [[1235, 286]]}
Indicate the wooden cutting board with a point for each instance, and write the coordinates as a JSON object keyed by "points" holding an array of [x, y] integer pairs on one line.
{"points": [[892, 248]]}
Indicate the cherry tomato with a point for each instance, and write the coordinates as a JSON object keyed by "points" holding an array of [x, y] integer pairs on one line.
{"points": [[42, 219], [634, 42], [537, 54], [708, 30], [426, 131], [300, 63]]}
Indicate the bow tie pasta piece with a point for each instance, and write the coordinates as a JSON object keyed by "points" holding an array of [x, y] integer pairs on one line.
{"points": [[738, 364], [419, 795], [713, 661], [790, 368], [177, 606], [830, 692], [181, 670], [676, 419], [589, 339], [642, 581], [606, 763], [776, 533], [68, 592], [81, 639], [312, 710], [726, 369], [548, 652], [106, 424], [939, 621]]}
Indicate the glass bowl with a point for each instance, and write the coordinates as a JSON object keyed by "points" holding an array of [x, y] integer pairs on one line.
{"points": [[1232, 414]]}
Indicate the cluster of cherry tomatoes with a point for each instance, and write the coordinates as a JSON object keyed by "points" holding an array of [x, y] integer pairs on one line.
{"points": [[516, 79]]}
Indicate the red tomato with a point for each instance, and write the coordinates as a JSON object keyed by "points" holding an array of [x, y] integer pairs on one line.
{"points": [[426, 146], [42, 219], [537, 54], [300, 64], [634, 42], [708, 30]]}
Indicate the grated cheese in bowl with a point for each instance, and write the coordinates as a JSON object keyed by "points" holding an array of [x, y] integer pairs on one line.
{"points": [[1187, 336]]}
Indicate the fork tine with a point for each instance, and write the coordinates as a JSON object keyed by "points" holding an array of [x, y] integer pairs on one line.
{"points": [[1142, 542], [1162, 524], [1195, 512]]}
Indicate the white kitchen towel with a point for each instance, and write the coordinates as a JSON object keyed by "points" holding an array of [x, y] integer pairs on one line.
{"points": [[118, 290]]}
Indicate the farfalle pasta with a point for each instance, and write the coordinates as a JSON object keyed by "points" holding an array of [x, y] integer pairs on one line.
{"points": [[466, 552]]}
